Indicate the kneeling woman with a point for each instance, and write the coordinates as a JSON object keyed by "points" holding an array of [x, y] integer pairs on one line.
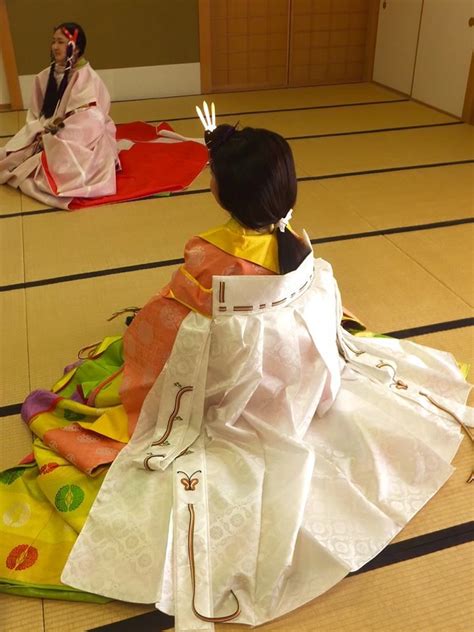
{"points": [[271, 451], [67, 147]]}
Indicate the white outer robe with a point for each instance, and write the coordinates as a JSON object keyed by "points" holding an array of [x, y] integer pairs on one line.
{"points": [[80, 160], [301, 449]]}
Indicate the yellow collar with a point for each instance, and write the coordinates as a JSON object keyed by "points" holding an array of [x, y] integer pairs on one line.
{"points": [[245, 243]]}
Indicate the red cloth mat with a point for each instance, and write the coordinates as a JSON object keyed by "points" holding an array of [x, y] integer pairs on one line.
{"points": [[150, 168]]}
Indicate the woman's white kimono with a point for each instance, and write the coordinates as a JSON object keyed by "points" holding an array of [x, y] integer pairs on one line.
{"points": [[275, 454], [80, 160]]}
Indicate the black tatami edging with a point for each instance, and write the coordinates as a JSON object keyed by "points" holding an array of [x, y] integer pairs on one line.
{"points": [[170, 262], [199, 97], [421, 545], [378, 130], [308, 107], [90, 275], [393, 554], [393, 231], [349, 174], [14, 409], [154, 621], [11, 409], [299, 109], [411, 332]]}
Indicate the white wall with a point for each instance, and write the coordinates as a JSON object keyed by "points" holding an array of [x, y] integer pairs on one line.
{"points": [[397, 35], [140, 83], [444, 54]]}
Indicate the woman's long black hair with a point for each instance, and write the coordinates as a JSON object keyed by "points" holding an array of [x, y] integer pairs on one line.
{"points": [[256, 180], [54, 92]]}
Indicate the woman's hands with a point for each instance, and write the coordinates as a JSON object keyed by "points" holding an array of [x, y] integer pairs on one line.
{"points": [[53, 127]]}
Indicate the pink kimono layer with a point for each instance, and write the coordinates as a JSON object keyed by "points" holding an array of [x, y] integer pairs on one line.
{"points": [[80, 160]]}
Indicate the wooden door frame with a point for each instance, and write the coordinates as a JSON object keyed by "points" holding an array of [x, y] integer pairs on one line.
{"points": [[371, 40], [204, 9], [468, 109], [9, 60]]}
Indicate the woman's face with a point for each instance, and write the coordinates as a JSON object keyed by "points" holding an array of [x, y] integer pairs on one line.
{"points": [[59, 46]]}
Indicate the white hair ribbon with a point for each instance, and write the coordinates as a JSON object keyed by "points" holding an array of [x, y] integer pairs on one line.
{"points": [[284, 221], [208, 119]]}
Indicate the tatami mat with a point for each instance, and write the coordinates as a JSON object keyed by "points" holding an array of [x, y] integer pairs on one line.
{"points": [[372, 274], [405, 198], [10, 201], [392, 282], [60, 244], [119, 235], [18, 614], [428, 594], [459, 342], [81, 309], [328, 121], [15, 441], [11, 251], [320, 156], [78, 617], [447, 254], [14, 370], [8, 123], [177, 107]]}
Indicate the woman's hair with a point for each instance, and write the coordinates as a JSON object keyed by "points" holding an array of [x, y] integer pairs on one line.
{"points": [[54, 93], [256, 180]]}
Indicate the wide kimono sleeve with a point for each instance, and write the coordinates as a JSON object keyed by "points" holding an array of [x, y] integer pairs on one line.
{"points": [[34, 121]]}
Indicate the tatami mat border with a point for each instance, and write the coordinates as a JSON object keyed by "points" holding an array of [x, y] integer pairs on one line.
{"points": [[303, 108], [348, 174], [212, 96], [375, 131], [171, 262], [421, 545], [394, 553], [155, 621], [431, 329], [460, 323], [351, 133], [308, 107]]}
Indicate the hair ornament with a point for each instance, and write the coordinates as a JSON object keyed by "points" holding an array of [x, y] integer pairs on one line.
{"points": [[208, 119], [72, 38], [284, 221]]}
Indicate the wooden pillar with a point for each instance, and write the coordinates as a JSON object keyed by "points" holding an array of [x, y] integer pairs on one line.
{"points": [[205, 45], [468, 109], [372, 23], [8, 53]]}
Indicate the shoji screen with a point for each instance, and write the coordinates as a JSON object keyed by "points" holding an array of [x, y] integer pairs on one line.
{"points": [[328, 41], [249, 43]]}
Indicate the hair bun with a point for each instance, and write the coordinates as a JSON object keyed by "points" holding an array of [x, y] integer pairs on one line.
{"points": [[219, 136]]}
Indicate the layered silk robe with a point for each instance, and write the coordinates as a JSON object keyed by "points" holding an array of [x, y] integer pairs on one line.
{"points": [[271, 452], [80, 160]]}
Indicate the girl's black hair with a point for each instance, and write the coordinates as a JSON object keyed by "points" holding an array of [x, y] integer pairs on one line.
{"points": [[54, 93], [256, 180]]}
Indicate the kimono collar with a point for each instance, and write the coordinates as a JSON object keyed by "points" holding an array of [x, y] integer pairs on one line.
{"points": [[245, 243]]}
